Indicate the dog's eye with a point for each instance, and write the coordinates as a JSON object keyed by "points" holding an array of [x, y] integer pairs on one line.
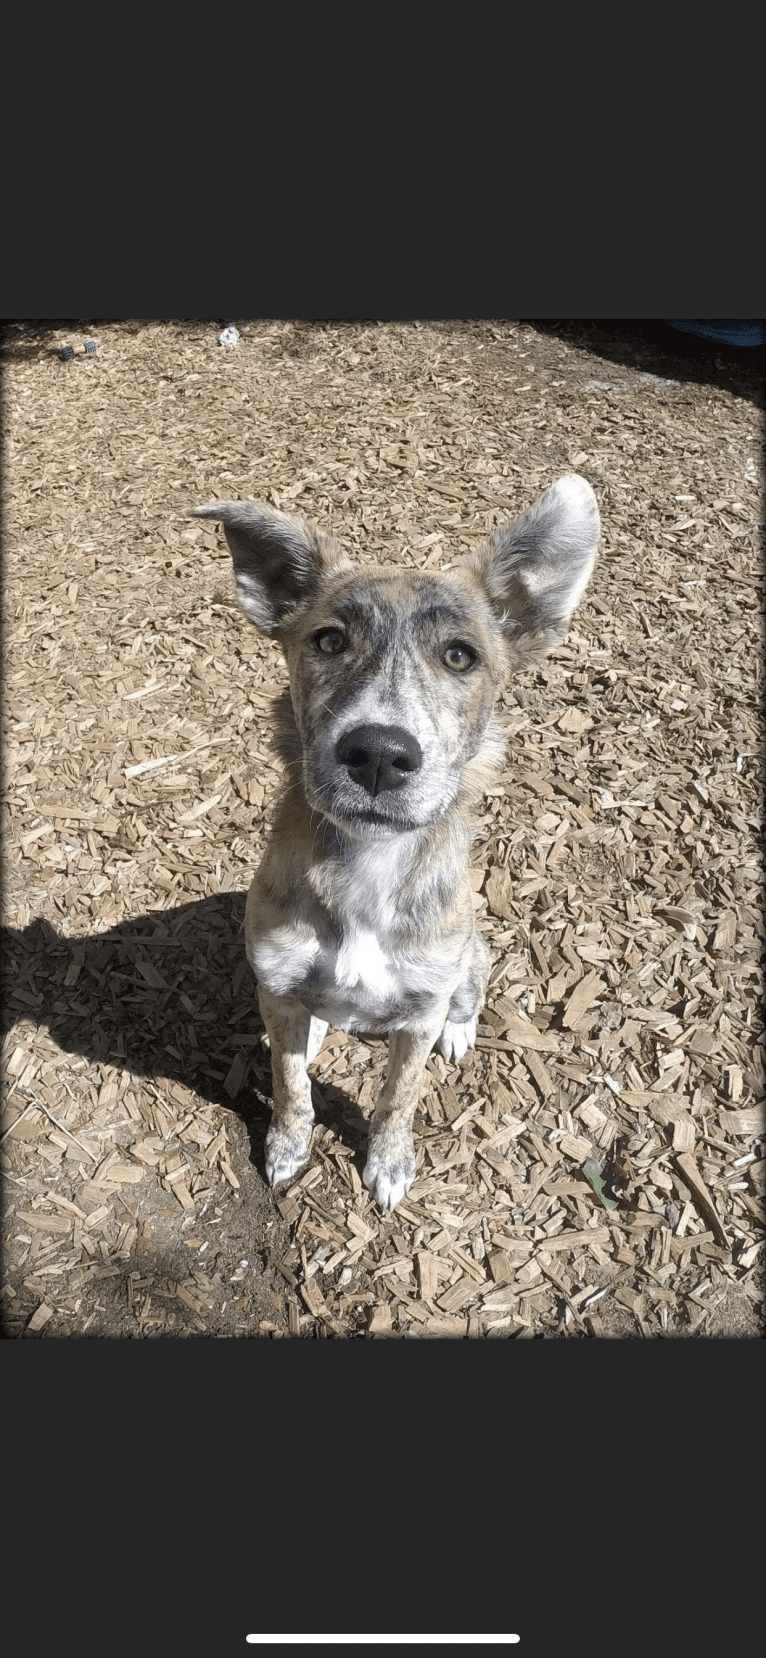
{"points": [[331, 641], [458, 658]]}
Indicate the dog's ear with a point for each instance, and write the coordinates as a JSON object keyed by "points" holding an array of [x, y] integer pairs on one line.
{"points": [[536, 569], [278, 561]]}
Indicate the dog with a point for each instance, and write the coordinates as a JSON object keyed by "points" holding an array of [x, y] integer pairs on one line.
{"points": [[361, 915]]}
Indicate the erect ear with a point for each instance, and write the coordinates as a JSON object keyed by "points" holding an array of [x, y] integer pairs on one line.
{"points": [[536, 569], [278, 561]]}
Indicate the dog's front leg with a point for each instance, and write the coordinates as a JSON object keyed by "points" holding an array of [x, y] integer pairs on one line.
{"points": [[295, 1038], [390, 1167]]}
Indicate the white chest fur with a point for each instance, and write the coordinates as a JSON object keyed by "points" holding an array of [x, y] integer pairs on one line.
{"points": [[361, 961], [357, 978], [363, 896]]}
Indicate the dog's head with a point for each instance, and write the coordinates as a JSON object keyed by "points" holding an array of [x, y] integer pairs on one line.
{"points": [[394, 673]]}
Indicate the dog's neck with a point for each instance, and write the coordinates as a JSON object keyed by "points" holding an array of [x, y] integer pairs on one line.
{"points": [[401, 887]]}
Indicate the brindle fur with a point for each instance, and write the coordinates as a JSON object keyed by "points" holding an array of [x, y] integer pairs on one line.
{"points": [[361, 913]]}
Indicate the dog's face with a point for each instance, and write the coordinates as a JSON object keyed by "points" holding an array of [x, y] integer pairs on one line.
{"points": [[394, 673], [393, 676]]}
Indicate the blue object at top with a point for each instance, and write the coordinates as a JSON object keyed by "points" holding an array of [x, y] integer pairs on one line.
{"points": [[748, 332]]}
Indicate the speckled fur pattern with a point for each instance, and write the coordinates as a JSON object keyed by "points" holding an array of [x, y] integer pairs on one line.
{"points": [[361, 912]]}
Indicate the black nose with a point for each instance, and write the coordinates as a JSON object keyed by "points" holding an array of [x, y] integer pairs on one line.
{"points": [[379, 756]]}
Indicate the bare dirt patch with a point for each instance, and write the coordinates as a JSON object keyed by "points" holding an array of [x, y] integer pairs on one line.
{"points": [[617, 863]]}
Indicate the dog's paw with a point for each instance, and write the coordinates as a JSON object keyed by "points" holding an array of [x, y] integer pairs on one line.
{"points": [[286, 1150], [390, 1167], [455, 1040], [317, 1032]]}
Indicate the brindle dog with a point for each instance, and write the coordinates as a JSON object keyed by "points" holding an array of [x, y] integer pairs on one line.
{"points": [[361, 914]]}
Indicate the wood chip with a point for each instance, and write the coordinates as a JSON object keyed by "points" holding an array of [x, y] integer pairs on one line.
{"points": [[630, 1298], [359, 1227], [664, 1108], [427, 1275], [381, 1321], [750, 1120], [499, 894], [451, 1328], [500, 1266], [182, 1195], [500, 1300], [122, 1174], [457, 1295], [581, 998], [684, 1133], [313, 1298], [692, 1175], [589, 1237], [38, 1221], [538, 1070], [236, 1075], [574, 1145], [521, 1033], [39, 1317]]}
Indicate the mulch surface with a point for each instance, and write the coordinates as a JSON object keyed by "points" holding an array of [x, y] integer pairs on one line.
{"points": [[595, 1167]]}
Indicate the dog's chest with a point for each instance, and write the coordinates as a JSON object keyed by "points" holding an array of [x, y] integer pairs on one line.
{"points": [[356, 980], [358, 977], [355, 977], [361, 961], [360, 985]]}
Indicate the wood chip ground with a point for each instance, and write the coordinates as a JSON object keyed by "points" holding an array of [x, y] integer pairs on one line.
{"points": [[617, 869]]}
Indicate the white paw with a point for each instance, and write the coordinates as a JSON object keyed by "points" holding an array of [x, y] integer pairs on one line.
{"points": [[387, 1191], [455, 1040], [286, 1151], [390, 1167], [317, 1033]]}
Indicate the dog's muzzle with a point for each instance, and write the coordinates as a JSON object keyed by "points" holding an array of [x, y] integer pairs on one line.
{"points": [[380, 757]]}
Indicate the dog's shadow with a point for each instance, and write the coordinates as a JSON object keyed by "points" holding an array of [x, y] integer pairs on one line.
{"points": [[161, 995]]}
